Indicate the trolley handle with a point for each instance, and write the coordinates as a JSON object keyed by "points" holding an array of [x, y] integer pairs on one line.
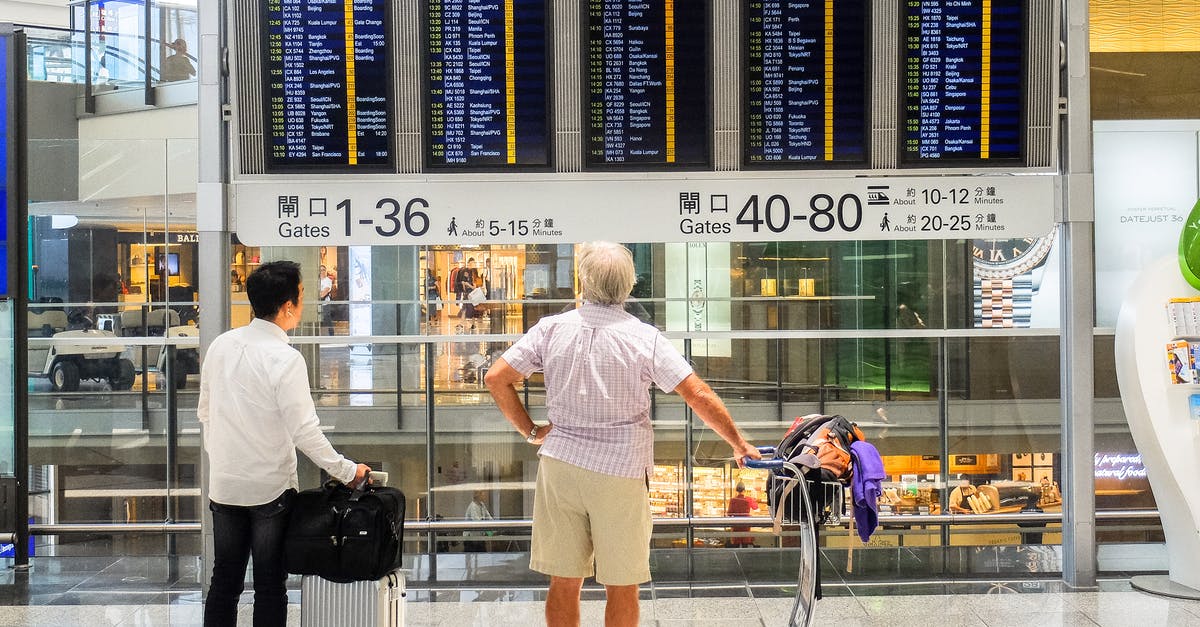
{"points": [[766, 464]]}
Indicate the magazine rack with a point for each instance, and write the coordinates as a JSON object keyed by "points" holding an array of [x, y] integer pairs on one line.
{"points": [[1160, 422]]}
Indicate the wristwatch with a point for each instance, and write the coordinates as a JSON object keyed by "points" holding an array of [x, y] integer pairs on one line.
{"points": [[1008, 272], [533, 434]]}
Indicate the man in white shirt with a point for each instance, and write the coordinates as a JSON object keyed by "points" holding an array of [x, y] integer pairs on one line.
{"points": [[256, 409], [477, 510], [325, 310], [591, 509]]}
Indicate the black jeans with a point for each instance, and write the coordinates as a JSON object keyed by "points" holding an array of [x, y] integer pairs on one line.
{"points": [[239, 533]]}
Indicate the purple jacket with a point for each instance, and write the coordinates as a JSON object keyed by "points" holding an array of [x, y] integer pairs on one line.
{"points": [[865, 487]]}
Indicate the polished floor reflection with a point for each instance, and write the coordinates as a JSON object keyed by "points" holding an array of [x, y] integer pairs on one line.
{"points": [[98, 591]]}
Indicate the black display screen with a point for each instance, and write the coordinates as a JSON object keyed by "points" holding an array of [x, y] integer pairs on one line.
{"points": [[647, 83], [963, 81], [487, 83], [8, 174], [327, 85], [806, 82]]}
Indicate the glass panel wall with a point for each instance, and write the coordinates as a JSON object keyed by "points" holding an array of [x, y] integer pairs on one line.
{"points": [[117, 33], [877, 331], [881, 332], [56, 56], [175, 42], [906, 390], [113, 348], [115, 39]]}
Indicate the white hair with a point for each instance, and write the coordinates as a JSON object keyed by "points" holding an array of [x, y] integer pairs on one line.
{"points": [[606, 273]]}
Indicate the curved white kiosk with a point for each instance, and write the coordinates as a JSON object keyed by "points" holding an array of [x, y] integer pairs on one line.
{"points": [[1160, 422]]}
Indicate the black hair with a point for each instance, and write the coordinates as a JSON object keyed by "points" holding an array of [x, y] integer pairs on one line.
{"points": [[271, 285]]}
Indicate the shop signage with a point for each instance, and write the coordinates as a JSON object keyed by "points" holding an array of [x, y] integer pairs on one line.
{"points": [[157, 238], [1120, 466], [707, 207]]}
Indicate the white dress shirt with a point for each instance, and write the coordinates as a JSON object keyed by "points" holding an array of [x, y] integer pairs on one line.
{"points": [[477, 511], [255, 410]]}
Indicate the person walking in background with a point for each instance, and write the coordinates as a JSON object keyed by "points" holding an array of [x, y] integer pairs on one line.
{"points": [[433, 298], [741, 505], [177, 66], [325, 310], [468, 280], [477, 510], [255, 410], [591, 509]]}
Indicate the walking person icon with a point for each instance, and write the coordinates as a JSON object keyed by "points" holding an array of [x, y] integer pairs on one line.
{"points": [[885, 225], [453, 230]]}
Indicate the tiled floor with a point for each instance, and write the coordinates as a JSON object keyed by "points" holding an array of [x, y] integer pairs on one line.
{"points": [[1110, 607], [976, 604]]}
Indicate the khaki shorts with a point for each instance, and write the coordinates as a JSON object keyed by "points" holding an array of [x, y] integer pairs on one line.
{"points": [[583, 518]]}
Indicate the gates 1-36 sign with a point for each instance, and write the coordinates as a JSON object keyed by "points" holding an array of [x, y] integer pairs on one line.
{"points": [[532, 211]]}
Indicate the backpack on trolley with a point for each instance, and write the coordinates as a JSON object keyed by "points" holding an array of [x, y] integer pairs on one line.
{"points": [[818, 447]]}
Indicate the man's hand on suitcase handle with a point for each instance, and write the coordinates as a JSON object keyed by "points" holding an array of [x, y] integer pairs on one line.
{"points": [[360, 475]]}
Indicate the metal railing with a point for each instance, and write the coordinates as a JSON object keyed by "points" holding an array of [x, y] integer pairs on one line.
{"points": [[692, 522]]}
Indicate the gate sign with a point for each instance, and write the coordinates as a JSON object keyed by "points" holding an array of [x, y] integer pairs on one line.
{"points": [[519, 209]]}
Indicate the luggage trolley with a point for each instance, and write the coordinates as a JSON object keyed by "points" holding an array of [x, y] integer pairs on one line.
{"points": [[782, 511]]}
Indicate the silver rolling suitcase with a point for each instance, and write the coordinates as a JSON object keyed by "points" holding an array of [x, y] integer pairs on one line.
{"points": [[377, 603]]}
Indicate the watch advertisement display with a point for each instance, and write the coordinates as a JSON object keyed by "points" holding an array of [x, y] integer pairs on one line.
{"points": [[1015, 282], [1146, 184], [698, 294]]}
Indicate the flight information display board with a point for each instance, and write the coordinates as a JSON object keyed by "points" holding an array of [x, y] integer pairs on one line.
{"points": [[7, 169], [647, 77], [806, 80], [963, 81], [328, 86], [487, 84]]}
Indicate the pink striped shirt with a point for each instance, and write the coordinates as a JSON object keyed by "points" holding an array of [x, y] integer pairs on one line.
{"points": [[599, 362]]}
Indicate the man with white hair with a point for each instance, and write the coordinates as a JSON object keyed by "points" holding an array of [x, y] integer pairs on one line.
{"points": [[591, 508]]}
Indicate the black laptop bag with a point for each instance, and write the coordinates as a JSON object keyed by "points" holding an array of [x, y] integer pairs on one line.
{"points": [[345, 535]]}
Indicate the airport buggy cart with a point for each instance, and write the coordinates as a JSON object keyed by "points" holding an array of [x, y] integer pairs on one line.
{"points": [[793, 505]]}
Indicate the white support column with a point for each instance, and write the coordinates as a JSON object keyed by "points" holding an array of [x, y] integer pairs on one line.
{"points": [[1078, 307], [212, 220]]}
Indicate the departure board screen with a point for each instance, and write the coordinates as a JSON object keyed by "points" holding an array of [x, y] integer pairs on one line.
{"points": [[647, 83], [487, 83], [7, 168], [806, 81], [328, 85], [963, 81]]}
